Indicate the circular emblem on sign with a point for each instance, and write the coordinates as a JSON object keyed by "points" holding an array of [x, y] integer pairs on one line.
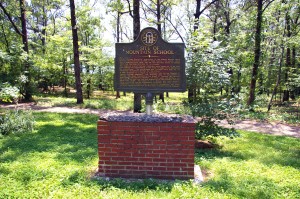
{"points": [[149, 37]]}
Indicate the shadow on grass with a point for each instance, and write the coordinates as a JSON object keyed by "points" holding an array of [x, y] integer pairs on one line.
{"points": [[212, 154], [138, 185], [74, 140]]}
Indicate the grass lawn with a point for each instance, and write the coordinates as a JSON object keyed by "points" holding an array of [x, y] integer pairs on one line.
{"points": [[289, 113], [58, 159], [108, 101]]}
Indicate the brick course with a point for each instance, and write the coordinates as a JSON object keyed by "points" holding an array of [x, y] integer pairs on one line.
{"points": [[146, 150]]}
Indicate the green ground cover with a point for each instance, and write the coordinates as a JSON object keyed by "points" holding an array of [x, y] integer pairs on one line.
{"points": [[100, 100], [106, 100], [59, 158], [176, 103]]}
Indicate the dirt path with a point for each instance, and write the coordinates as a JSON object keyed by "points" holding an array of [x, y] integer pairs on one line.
{"points": [[265, 127], [249, 125]]}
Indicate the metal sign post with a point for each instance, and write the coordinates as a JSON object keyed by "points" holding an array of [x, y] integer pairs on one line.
{"points": [[149, 103]]}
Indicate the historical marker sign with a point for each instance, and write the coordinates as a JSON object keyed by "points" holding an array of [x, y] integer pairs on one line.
{"points": [[150, 64]]}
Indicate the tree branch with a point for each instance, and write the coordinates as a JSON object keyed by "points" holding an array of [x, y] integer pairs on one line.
{"points": [[208, 16], [129, 7], [207, 6], [180, 21], [149, 8], [10, 19], [5, 38], [175, 28], [267, 5]]}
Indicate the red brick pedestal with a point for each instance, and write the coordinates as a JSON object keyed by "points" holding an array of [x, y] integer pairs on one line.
{"points": [[146, 150]]}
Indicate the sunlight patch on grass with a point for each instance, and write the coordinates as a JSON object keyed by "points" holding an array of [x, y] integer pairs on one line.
{"points": [[254, 166], [107, 101]]}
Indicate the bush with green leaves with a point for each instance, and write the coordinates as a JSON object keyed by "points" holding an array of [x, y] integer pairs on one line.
{"points": [[9, 93], [208, 67], [16, 121], [210, 110], [207, 128]]}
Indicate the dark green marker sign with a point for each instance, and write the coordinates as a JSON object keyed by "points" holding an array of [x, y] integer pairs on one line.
{"points": [[150, 64]]}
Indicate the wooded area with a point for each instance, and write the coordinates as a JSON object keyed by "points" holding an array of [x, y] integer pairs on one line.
{"points": [[235, 50], [242, 68]]}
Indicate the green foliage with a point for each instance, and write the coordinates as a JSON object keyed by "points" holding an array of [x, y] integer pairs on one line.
{"points": [[209, 110], [207, 129], [213, 108], [9, 93], [16, 122], [208, 67]]}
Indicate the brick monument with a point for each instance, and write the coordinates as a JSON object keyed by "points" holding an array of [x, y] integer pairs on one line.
{"points": [[146, 145]]}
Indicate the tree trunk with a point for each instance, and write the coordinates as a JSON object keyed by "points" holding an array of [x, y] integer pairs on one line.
{"points": [[136, 31], [192, 86], [256, 52], [65, 71], [27, 87], [197, 15], [215, 27], [79, 95], [286, 93], [44, 29], [158, 16], [118, 40], [293, 62], [278, 80], [227, 32], [88, 82], [272, 60]]}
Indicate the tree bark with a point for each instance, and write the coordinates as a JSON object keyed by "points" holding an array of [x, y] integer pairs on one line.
{"points": [[293, 62], [277, 81], [44, 29], [65, 71], [136, 30], [118, 40], [286, 92], [257, 50], [158, 17], [79, 95], [24, 28], [27, 87], [272, 60]]}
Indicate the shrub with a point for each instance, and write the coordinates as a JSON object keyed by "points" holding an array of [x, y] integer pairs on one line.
{"points": [[207, 128], [16, 121], [208, 74], [210, 110], [8, 93]]}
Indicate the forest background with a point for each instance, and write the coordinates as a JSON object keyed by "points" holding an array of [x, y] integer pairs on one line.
{"points": [[241, 55]]}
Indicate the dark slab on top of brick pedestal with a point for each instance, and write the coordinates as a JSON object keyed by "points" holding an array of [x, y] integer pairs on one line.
{"points": [[141, 117]]}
